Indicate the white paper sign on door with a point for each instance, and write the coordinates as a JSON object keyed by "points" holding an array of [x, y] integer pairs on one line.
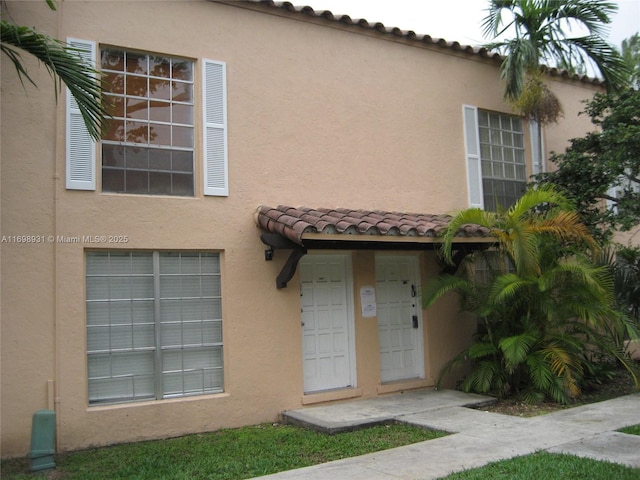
{"points": [[368, 302]]}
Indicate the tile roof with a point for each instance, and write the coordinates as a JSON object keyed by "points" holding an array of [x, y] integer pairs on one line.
{"points": [[292, 223], [409, 35]]}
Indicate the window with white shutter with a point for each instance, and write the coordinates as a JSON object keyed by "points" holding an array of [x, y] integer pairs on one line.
{"points": [[81, 151], [495, 152]]}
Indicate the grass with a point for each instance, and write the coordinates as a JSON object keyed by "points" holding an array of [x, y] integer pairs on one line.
{"points": [[632, 430], [225, 454], [549, 466]]}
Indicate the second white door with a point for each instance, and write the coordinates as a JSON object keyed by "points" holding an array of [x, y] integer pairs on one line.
{"points": [[399, 318]]}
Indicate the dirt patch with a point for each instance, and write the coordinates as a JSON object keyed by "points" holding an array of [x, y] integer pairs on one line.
{"points": [[620, 384]]}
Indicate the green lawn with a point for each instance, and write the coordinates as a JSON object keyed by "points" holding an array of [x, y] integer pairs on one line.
{"points": [[264, 449], [549, 466], [226, 454], [632, 430]]}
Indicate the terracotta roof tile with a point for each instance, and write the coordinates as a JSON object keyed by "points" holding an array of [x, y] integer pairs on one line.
{"points": [[293, 223]]}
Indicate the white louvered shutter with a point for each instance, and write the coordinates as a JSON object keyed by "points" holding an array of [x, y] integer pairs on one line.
{"points": [[537, 154], [472, 149], [216, 174], [81, 151]]}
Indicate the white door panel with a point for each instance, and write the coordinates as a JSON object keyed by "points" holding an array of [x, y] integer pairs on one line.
{"points": [[399, 318], [327, 322]]}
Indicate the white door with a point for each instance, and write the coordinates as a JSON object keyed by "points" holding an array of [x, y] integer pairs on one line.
{"points": [[399, 317], [327, 322]]}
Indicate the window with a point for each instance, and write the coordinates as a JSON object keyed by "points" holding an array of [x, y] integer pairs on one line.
{"points": [[495, 158], [150, 147], [504, 173], [154, 325]]}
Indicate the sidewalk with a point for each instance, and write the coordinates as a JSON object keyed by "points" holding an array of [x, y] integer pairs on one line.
{"points": [[477, 437]]}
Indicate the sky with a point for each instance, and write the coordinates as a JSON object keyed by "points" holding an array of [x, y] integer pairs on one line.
{"points": [[457, 20]]}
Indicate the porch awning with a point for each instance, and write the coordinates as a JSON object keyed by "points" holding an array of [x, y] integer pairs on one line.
{"points": [[303, 228]]}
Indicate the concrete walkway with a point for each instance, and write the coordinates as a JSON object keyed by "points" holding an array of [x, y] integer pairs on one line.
{"points": [[477, 438]]}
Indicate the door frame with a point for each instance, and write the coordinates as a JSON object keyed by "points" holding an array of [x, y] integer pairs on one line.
{"points": [[351, 342]]}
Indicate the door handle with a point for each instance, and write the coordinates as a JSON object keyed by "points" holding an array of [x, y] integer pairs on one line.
{"points": [[415, 321], [413, 291]]}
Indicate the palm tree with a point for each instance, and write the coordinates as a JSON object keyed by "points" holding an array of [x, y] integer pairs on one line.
{"points": [[542, 34], [631, 55], [64, 63], [545, 307]]}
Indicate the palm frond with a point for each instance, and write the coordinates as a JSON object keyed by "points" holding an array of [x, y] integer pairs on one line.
{"points": [[471, 216], [516, 348], [64, 64], [441, 286], [482, 378]]}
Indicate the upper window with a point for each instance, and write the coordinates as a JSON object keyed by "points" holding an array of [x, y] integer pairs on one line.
{"points": [[148, 148], [502, 155], [496, 167], [154, 325]]}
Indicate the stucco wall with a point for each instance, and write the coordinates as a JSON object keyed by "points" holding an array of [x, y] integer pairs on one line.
{"points": [[319, 115]]}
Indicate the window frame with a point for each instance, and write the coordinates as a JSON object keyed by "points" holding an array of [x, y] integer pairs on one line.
{"points": [[164, 333], [170, 147]]}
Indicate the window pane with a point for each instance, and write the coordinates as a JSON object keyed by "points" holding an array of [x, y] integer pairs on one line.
{"points": [[182, 92], [160, 89], [136, 63], [484, 135], [211, 285], [182, 113], [159, 159], [160, 183], [210, 263], [112, 180], [169, 263], [192, 309], [211, 309], [182, 136], [120, 312], [113, 156], [182, 184], [115, 130], [137, 158], [160, 111], [97, 288], [160, 66], [116, 105], [137, 132], [136, 181], [137, 109], [119, 263], [136, 86], [182, 161], [159, 134], [182, 70], [112, 59], [190, 263]]}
